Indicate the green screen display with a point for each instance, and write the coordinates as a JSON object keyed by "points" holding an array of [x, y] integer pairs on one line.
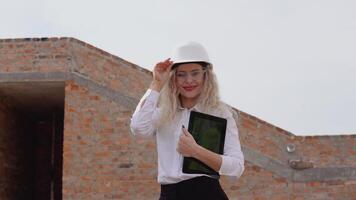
{"points": [[209, 132]]}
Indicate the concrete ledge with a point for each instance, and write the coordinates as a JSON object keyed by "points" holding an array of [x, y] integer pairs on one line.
{"points": [[115, 96], [33, 76], [325, 174], [307, 175]]}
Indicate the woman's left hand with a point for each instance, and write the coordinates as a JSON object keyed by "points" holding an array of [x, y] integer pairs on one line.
{"points": [[187, 145]]}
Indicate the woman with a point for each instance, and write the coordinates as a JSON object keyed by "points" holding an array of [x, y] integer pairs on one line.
{"points": [[185, 84]]}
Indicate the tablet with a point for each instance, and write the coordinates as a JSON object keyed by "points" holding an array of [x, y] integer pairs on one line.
{"points": [[209, 132]]}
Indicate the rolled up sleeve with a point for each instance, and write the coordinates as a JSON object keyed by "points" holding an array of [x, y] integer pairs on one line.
{"points": [[142, 121], [232, 159]]}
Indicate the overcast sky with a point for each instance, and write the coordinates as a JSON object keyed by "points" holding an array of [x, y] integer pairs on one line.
{"points": [[290, 63]]}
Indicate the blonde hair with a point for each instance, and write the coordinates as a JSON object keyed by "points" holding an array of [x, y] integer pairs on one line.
{"points": [[169, 102]]}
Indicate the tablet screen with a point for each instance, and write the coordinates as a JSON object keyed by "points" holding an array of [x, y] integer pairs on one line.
{"points": [[209, 132]]}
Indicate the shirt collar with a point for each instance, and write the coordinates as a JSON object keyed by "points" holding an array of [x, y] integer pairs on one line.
{"points": [[194, 108]]}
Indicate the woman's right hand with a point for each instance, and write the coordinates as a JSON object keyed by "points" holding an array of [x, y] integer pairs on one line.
{"points": [[161, 74]]}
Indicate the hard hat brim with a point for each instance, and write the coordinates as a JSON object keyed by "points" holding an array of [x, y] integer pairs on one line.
{"points": [[202, 63]]}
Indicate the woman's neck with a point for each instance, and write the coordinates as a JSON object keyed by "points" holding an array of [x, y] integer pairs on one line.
{"points": [[188, 102]]}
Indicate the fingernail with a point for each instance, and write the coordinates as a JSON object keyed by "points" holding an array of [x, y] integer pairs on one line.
{"points": [[183, 126]]}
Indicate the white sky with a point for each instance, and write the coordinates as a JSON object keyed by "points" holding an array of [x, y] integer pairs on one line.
{"points": [[290, 63]]}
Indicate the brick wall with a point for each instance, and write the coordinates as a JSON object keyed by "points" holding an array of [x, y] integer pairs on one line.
{"points": [[110, 71], [34, 55], [259, 183], [328, 150], [272, 141], [103, 161]]}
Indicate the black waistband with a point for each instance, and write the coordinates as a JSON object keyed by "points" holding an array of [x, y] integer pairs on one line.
{"points": [[202, 187], [196, 180]]}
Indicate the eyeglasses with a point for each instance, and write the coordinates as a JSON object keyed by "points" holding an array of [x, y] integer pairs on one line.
{"points": [[196, 75]]}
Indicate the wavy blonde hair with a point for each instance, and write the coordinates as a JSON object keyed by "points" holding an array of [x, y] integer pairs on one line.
{"points": [[169, 102]]}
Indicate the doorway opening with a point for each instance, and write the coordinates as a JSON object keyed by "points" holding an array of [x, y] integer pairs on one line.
{"points": [[31, 157]]}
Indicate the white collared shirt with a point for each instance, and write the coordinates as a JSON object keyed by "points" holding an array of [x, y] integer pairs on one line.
{"points": [[170, 162]]}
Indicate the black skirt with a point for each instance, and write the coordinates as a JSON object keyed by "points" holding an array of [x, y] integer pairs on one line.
{"points": [[196, 188]]}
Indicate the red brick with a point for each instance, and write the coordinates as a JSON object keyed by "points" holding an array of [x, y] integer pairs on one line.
{"points": [[109, 163]]}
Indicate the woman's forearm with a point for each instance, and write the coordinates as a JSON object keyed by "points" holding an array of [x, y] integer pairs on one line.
{"points": [[213, 160]]}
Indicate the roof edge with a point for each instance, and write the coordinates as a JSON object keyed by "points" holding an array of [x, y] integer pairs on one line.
{"points": [[258, 120], [79, 42]]}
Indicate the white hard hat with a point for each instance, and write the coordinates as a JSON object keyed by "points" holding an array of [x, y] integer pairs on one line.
{"points": [[190, 52]]}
